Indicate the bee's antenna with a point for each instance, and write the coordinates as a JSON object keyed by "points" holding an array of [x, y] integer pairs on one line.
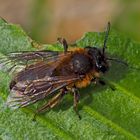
{"points": [[118, 61], [106, 36], [122, 62]]}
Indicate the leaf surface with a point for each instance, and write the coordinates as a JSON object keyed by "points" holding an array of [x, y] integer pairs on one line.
{"points": [[106, 114]]}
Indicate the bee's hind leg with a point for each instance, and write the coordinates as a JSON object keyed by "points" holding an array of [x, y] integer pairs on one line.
{"points": [[64, 43], [34, 117], [52, 102], [76, 100]]}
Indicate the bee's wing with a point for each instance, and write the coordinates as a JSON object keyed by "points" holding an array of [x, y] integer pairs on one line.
{"points": [[31, 55], [19, 60], [24, 93], [36, 71]]}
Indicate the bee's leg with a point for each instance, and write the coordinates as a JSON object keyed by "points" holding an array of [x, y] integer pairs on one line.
{"points": [[52, 102], [103, 82], [76, 100], [94, 80], [64, 43], [34, 117], [26, 64]]}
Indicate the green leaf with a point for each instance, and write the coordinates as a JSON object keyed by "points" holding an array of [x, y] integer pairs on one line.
{"points": [[106, 114]]}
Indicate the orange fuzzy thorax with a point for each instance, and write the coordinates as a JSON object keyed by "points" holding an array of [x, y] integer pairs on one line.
{"points": [[89, 76]]}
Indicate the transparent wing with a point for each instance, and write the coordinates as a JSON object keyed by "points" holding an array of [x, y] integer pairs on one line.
{"points": [[15, 62], [25, 93]]}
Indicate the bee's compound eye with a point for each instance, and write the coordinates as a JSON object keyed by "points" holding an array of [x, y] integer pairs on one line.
{"points": [[81, 63], [103, 69]]}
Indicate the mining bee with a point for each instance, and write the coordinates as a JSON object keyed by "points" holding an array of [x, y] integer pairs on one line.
{"points": [[55, 74]]}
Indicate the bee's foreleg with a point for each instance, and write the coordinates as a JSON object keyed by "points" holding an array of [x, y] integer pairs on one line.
{"points": [[76, 100], [103, 82]]}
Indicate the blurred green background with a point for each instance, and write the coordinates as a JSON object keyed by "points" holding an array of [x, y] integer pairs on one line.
{"points": [[45, 20]]}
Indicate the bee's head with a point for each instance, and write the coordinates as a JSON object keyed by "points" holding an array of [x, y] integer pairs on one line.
{"points": [[97, 55], [99, 60]]}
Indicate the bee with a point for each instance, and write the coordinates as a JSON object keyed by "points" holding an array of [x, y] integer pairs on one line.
{"points": [[56, 73]]}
